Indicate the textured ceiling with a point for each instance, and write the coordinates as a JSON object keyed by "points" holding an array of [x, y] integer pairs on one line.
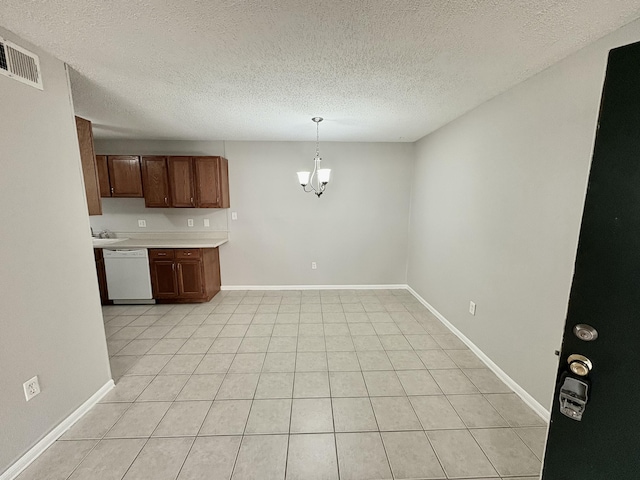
{"points": [[377, 70]]}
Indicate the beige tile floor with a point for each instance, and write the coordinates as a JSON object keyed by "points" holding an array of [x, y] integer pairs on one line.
{"points": [[298, 385]]}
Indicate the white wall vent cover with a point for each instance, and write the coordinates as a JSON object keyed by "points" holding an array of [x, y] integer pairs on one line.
{"points": [[20, 64]]}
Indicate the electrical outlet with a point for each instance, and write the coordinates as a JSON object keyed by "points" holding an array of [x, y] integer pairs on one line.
{"points": [[189, 222], [31, 388], [234, 215], [472, 308], [142, 223], [314, 265], [206, 222]]}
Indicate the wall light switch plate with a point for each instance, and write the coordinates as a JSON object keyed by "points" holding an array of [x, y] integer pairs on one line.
{"points": [[142, 223], [190, 222], [472, 308], [31, 388], [206, 222], [234, 215], [314, 265]]}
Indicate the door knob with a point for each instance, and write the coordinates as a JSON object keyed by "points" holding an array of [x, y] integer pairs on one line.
{"points": [[579, 364]]}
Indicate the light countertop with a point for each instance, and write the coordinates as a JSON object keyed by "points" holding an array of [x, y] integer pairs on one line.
{"points": [[164, 240]]}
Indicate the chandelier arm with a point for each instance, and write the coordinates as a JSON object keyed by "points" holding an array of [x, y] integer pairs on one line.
{"points": [[314, 174]]}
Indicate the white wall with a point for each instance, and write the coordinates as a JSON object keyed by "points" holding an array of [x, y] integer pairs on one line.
{"points": [[496, 209], [51, 322], [122, 215], [356, 232]]}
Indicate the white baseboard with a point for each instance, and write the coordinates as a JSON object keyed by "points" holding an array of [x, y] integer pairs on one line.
{"points": [[23, 462], [518, 390], [314, 287]]}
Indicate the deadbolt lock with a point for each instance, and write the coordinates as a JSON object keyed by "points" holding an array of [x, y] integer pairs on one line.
{"points": [[585, 332], [579, 364]]}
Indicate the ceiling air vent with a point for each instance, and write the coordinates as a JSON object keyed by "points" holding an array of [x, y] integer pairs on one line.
{"points": [[19, 64]]}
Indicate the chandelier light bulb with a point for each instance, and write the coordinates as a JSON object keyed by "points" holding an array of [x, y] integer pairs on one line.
{"points": [[323, 175], [303, 178]]}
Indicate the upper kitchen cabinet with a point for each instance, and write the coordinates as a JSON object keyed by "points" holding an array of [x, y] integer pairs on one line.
{"points": [[155, 182], [181, 181], [190, 182], [212, 182], [89, 169], [125, 177], [103, 175], [164, 182]]}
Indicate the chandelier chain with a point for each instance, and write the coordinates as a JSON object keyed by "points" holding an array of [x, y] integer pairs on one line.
{"points": [[317, 139]]}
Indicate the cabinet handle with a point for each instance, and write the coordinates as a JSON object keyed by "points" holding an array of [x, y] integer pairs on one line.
{"points": [[173, 267], [187, 253], [111, 190], [191, 200], [165, 201], [162, 254]]}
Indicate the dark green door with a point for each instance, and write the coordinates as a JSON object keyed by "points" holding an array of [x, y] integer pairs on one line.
{"points": [[605, 294]]}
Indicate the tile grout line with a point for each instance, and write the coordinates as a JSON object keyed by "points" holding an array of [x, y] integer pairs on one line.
{"points": [[235, 460], [252, 401], [147, 438], [176, 400], [412, 409], [206, 414], [293, 386], [333, 417], [79, 463]]}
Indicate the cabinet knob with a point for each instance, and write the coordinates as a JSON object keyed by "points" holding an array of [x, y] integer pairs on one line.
{"points": [[111, 190], [165, 201], [191, 200]]}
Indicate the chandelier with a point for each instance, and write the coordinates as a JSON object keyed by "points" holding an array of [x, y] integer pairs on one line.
{"points": [[319, 175]]}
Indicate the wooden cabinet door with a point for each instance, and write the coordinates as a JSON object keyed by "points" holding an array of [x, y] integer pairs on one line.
{"points": [[155, 182], [224, 183], [211, 182], [211, 268], [181, 181], [102, 282], [207, 181], [89, 171], [125, 176], [103, 175], [189, 278], [163, 279], [102, 277]]}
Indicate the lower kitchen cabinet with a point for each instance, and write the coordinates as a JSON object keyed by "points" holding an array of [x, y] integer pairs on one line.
{"points": [[184, 275], [102, 277], [163, 279]]}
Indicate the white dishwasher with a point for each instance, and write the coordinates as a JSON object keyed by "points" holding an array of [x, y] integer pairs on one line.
{"points": [[128, 278]]}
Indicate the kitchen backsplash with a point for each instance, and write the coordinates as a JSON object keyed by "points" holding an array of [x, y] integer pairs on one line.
{"points": [[122, 215]]}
